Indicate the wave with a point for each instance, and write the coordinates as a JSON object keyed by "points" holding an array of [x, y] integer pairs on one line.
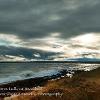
{"points": [[22, 72], [28, 74]]}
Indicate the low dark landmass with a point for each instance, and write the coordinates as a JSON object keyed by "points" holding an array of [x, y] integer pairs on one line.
{"points": [[82, 86], [67, 61]]}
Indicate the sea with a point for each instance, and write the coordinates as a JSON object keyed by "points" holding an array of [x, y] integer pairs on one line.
{"points": [[10, 72]]}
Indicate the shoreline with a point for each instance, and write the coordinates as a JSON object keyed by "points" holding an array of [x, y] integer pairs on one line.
{"points": [[83, 85], [17, 86]]}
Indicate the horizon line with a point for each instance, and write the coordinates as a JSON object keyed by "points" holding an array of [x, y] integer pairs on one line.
{"points": [[51, 61]]}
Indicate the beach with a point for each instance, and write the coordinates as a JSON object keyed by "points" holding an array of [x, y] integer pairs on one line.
{"points": [[84, 85]]}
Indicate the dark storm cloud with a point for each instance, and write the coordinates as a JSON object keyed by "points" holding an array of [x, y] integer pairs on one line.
{"points": [[24, 52], [39, 18]]}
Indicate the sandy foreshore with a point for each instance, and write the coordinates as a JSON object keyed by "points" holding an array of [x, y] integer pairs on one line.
{"points": [[82, 86]]}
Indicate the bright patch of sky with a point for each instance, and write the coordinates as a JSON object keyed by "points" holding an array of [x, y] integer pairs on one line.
{"points": [[9, 40], [86, 45]]}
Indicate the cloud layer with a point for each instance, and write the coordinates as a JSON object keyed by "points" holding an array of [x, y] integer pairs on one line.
{"points": [[50, 48], [36, 18], [56, 26]]}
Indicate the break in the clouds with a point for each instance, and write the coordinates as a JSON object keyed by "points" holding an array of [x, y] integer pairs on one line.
{"points": [[63, 28], [50, 48]]}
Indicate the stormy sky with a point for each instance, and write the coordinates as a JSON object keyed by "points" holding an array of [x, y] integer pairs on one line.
{"points": [[49, 29]]}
